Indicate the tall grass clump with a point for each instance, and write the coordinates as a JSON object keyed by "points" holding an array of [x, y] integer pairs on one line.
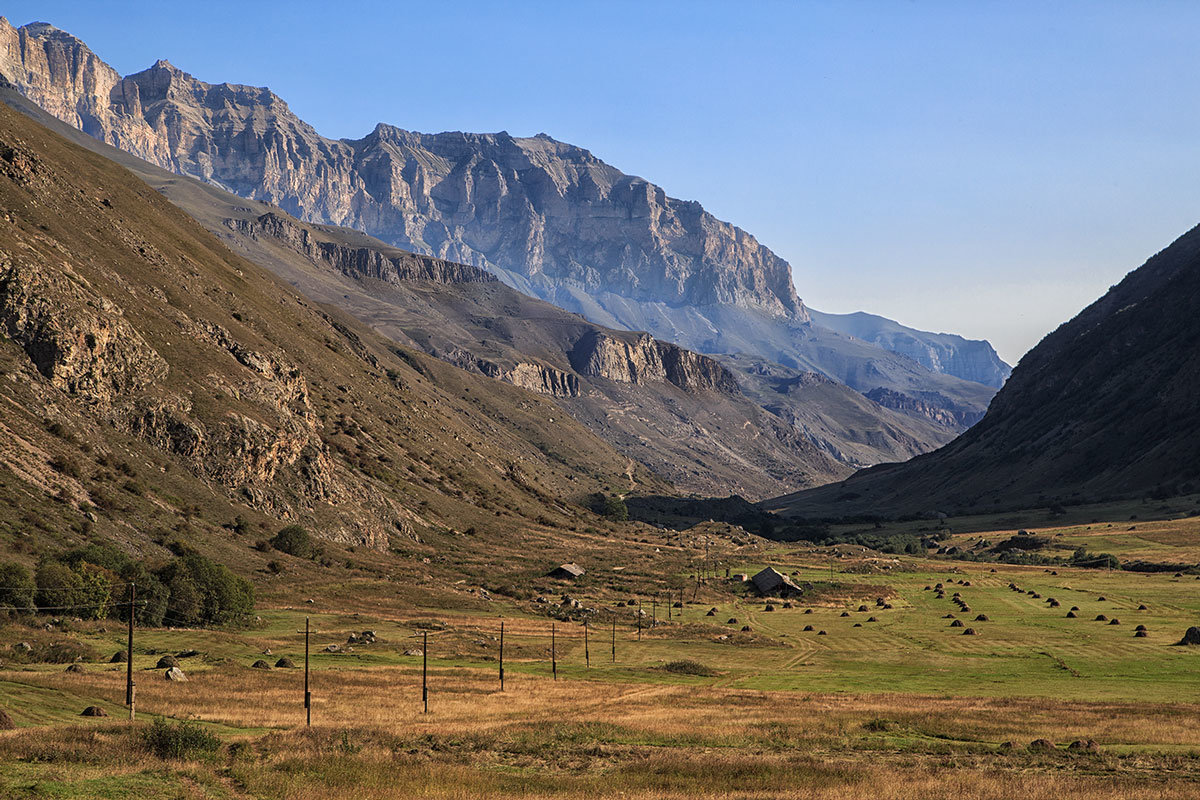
{"points": [[179, 740]]}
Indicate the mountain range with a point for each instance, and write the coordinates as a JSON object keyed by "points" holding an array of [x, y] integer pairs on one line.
{"points": [[548, 218]]}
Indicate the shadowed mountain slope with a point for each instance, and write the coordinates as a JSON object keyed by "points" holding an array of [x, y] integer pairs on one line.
{"points": [[1106, 406]]}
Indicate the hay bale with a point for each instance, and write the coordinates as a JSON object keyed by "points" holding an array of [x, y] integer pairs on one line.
{"points": [[768, 607], [746, 629], [731, 621], [982, 618], [956, 624], [1101, 599], [1054, 603], [887, 606], [285, 663], [166, 662], [75, 668], [6, 722], [845, 613], [788, 605], [808, 628], [1083, 746], [710, 613], [862, 608], [93, 711], [1074, 608], [1140, 634], [820, 633], [1191, 636], [1041, 746], [966, 609], [969, 632], [1071, 615], [1101, 618], [1114, 621], [966, 583], [118, 657], [1140, 628], [808, 611], [948, 616], [858, 625], [260, 664], [1007, 747], [1142, 608], [872, 619], [928, 587]]}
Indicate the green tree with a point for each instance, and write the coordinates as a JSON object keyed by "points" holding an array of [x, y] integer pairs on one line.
{"points": [[58, 587], [16, 589], [294, 540]]}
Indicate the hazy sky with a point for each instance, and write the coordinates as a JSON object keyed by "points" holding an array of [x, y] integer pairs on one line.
{"points": [[981, 168]]}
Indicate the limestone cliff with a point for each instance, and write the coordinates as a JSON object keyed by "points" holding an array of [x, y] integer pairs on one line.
{"points": [[641, 359]]}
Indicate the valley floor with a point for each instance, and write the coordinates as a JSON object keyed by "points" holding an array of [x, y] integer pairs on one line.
{"points": [[888, 703]]}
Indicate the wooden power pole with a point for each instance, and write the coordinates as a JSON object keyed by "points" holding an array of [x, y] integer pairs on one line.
{"points": [[425, 669], [307, 693], [502, 656], [553, 654], [129, 687]]}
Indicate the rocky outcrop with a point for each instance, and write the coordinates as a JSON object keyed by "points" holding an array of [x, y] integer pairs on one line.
{"points": [[640, 359], [359, 262], [76, 338], [536, 377], [940, 409]]}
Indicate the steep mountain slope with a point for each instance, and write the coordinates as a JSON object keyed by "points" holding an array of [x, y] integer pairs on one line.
{"points": [[676, 411], [548, 217], [154, 387], [1108, 405], [969, 359]]}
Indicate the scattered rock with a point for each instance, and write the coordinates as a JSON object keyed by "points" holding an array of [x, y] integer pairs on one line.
{"points": [[872, 619], [332, 648], [1140, 628], [768, 607], [93, 711], [862, 608], [22, 647], [414, 652], [175, 674]]}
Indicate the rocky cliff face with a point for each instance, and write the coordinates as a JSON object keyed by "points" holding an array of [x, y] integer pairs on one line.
{"points": [[536, 206], [947, 353], [641, 359]]}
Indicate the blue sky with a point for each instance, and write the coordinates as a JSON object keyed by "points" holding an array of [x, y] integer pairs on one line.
{"points": [[984, 168]]}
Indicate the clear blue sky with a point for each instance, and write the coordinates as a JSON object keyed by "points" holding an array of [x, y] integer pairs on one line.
{"points": [[986, 168]]}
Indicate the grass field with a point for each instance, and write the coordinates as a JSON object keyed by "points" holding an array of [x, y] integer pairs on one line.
{"points": [[904, 706]]}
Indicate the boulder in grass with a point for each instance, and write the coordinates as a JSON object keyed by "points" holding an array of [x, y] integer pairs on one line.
{"points": [[332, 648], [75, 668], [175, 674], [93, 711], [1041, 746], [6, 722], [1054, 604], [260, 664], [788, 605], [166, 662], [118, 657], [1083, 746], [1191, 636], [285, 663]]}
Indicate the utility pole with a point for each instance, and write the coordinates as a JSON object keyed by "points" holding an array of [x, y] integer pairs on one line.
{"points": [[502, 656], [587, 656], [425, 669], [553, 653], [307, 693], [654, 613], [129, 687], [614, 640], [668, 605], [639, 619]]}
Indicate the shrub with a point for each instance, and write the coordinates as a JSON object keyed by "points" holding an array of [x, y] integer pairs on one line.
{"points": [[57, 586], [182, 739], [689, 667], [615, 509], [295, 541], [16, 589]]}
